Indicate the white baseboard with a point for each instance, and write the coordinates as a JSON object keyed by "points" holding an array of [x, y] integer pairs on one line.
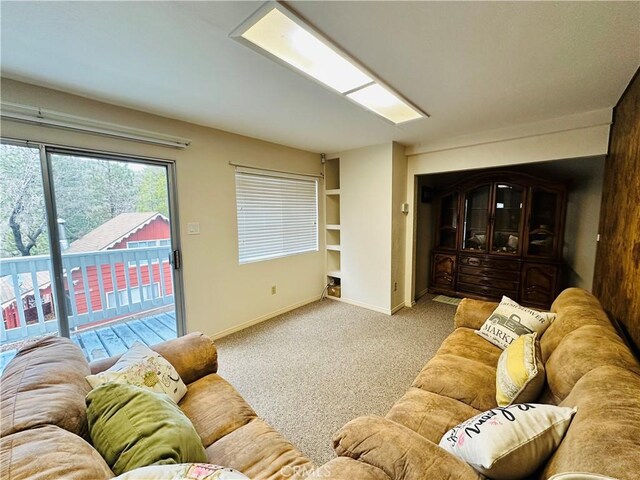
{"points": [[375, 308], [400, 306], [262, 318]]}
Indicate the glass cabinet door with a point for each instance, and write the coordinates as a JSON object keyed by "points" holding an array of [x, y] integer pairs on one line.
{"points": [[507, 219], [448, 223], [476, 219], [543, 229]]}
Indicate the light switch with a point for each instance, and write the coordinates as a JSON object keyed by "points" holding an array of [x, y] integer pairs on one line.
{"points": [[193, 228]]}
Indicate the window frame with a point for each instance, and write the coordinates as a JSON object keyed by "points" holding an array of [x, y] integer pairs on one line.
{"points": [[271, 175]]}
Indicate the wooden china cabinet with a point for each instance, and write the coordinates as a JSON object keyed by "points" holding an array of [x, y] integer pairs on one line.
{"points": [[500, 233]]}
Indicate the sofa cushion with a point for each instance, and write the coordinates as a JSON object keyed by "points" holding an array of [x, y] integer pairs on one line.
{"points": [[604, 436], [215, 408], [575, 308], [398, 451], [45, 385], [583, 350], [473, 313], [144, 368], [429, 414], [133, 427], [520, 374], [511, 442], [464, 342], [49, 452], [261, 453], [510, 320], [470, 381], [348, 469]]}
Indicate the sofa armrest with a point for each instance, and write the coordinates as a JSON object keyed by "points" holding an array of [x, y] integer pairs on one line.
{"points": [[473, 313], [193, 356], [398, 451]]}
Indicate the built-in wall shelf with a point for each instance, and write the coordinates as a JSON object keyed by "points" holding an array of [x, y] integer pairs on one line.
{"points": [[332, 225]]}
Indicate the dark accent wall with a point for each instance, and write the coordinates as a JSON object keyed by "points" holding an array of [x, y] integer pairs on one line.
{"points": [[616, 280]]}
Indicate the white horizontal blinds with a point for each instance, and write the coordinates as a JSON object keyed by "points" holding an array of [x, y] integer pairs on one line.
{"points": [[277, 215]]}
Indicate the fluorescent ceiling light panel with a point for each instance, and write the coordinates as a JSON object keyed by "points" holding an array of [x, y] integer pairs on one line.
{"points": [[277, 31], [385, 103], [280, 36]]}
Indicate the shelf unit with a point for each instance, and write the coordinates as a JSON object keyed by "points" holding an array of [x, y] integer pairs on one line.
{"points": [[500, 233], [332, 226]]}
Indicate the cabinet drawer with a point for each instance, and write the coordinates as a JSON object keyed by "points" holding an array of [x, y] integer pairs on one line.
{"points": [[489, 292], [489, 272], [489, 262], [495, 284]]}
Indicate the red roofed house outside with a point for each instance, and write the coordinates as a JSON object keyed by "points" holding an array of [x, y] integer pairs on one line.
{"points": [[125, 231]]}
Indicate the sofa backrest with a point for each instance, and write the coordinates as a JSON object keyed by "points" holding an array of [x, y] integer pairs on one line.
{"points": [[574, 308], [193, 356], [589, 366], [44, 384], [580, 339], [604, 435], [43, 415]]}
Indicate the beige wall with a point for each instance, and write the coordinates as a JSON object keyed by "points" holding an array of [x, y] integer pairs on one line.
{"points": [[582, 221], [584, 135], [425, 224], [365, 220], [398, 224], [220, 295]]}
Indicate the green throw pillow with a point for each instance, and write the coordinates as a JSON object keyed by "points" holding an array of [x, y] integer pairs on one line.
{"points": [[133, 427]]}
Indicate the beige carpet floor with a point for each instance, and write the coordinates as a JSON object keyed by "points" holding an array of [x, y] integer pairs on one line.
{"points": [[311, 370]]}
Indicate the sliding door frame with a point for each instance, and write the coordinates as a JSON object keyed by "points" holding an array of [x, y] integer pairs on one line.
{"points": [[46, 150]]}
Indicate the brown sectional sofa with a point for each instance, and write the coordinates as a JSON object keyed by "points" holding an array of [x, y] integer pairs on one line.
{"points": [[588, 366], [44, 427], [43, 420]]}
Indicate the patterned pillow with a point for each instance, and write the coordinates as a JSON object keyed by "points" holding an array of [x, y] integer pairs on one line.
{"points": [[507, 443], [183, 471], [510, 320], [144, 368], [520, 374]]}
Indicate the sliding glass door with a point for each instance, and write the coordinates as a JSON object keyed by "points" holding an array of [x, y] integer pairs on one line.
{"points": [[101, 254], [26, 295]]}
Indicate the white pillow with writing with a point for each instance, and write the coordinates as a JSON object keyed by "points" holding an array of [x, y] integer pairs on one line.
{"points": [[507, 443], [510, 320]]}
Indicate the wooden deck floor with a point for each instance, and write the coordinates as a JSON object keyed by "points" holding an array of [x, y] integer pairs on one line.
{"points": [[117, 338]]}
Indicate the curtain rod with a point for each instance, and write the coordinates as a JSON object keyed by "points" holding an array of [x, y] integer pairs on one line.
{"points": [[50, 118], [314, 175]]}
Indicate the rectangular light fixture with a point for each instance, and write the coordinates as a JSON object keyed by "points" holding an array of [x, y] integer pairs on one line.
{"points": [[279, 33]]}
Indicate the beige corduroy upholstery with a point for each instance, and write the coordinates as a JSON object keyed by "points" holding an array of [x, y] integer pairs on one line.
{"points": [[588, 366], [44, 415]]}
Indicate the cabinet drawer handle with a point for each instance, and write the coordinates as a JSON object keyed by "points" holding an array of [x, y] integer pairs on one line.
{"points": [[474, 261]]}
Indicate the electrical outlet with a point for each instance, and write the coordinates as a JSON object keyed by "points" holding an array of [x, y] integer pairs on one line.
{"points": [[273, 290], [395, 286]]}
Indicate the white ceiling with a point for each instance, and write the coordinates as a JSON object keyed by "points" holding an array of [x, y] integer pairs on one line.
{"points": [[474, 66]]}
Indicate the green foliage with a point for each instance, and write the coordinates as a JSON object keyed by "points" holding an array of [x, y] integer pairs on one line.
{"points": [[152, 191], [88, 193], [21, 202]]}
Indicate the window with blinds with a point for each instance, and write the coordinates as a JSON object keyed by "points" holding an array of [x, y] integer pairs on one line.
{"points": [[277, 215]]}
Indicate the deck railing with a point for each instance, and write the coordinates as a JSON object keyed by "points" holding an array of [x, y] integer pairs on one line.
{"points": [[99, 286]]}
